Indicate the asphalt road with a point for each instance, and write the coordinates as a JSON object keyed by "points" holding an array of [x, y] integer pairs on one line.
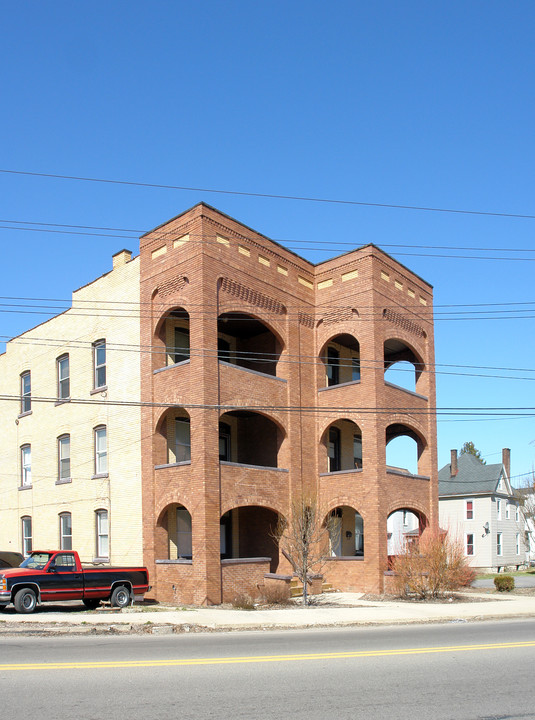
{"points": [[458, 671]]}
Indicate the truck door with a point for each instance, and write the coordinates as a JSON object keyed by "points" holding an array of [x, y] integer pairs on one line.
{"points": [[62, 581]]}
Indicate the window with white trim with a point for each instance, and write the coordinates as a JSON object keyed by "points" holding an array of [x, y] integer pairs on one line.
{"points": [[499, 509], [101, 450], [64, 457], [65, 531], [102, 534], [469, 509], [517, 513], [26, 466], [99, 364], [507, 511], [26, 530], [63, 372], [470, 544], [25, 392], [518, 543], [499, 546]]}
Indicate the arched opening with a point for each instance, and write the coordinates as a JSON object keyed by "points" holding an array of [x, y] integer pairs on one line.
{"points": [[342, 446], [172, 438], [346, 532], [404, 449], [403, 367], [244, 341], [249, 438], [403, 526], [250, 532], [173, 536], [341, 359], [172, 336]]}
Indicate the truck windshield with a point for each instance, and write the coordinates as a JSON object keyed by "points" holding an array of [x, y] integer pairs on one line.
{"points": [[36, 561]]}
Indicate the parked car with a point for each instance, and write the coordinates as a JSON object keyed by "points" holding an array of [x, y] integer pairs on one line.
{"points": [[58, 575], [10, 559]]}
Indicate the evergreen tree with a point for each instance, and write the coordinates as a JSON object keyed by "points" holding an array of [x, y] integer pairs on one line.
{"points": [[470, 449]]}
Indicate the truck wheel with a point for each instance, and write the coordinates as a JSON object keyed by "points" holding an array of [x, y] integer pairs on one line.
{"points": [[25, 601], [91, 603], [120, 597]]}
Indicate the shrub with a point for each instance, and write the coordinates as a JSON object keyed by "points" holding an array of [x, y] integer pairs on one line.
{"points": [[504, 583], [432, 566], [276, 594], [243, 601]]}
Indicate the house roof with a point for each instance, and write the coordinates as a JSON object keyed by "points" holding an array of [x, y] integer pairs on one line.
{"points": [[473, 478]]}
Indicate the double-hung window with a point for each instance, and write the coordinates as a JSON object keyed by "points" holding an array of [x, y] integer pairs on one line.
{"points": [[64, 457], [25, 392], [469, 509], [499, 546], [470, 544], [517, 513], [102, 534], [26, 531], [101, 450], [99, 364], [65, 531], [64, 388], [182, 440], [26, 466], [518, 543], [499, 509], [507, 510]]}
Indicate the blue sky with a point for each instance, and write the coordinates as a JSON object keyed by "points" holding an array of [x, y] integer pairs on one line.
{"points": [[415, 103]]}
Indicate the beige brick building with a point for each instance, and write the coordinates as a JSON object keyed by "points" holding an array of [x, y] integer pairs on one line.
{"points": [[261, 377], [70, 451]]}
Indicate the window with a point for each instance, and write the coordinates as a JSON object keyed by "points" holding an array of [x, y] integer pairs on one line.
{"points": [[26, 527], [469, 509], [182, 440], [499, 548], [518, 543], [499, 509], [25, 392], [99, 364], [333, 450], [357, 451], [333, 366], [65, 562], [65, 531], [405, 518], [507, 511], [102, 534], [64, 389], [26, 466], [181, 349], [183, 533], [355, 368], [517, 513], [224, 442], [64, 457], [470, 544], [101, 451]]}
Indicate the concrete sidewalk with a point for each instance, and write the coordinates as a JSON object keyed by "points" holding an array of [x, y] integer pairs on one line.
{"points": [[332, 610]]}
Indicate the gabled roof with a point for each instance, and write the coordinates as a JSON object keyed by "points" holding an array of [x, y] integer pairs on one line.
{"points": [[473, 478]]}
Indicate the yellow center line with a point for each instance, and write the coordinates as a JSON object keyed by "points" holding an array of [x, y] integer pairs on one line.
{"points": [[104, 665]]}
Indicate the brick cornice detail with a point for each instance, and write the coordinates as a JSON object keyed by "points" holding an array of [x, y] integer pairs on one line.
{"points": [[253, 297]]}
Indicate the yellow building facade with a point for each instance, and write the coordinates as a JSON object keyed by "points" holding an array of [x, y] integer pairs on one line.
{"points": [[70, 462]]}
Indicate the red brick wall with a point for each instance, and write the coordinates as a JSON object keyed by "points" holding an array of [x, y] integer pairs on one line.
{"points": [[243, 577]]}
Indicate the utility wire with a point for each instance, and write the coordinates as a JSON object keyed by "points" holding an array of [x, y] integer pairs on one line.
{"points": [[334, 201]]}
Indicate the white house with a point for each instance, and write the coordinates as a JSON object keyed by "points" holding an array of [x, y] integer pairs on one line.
{"points": [[478, 505]]}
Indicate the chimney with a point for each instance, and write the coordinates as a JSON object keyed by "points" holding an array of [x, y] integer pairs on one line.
{"points": [[506, 461], [453, 463], [121, 258]]}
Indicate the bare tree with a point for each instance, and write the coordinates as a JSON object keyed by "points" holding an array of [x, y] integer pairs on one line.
{"points": [[526, 495], [304, 538]]}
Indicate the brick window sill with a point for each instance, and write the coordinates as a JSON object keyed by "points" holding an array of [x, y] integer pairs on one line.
{"points": [[24, 414], [99, 476], [25, 487], [102, 389], [64, 481], [339, 385], [170, 465]]}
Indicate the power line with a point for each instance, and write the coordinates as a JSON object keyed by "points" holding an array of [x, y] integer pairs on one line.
{"points": [[273, 196]]}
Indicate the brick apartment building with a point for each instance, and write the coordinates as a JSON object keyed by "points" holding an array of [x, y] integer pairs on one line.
{"points": [[261, 377], [266, 380]]}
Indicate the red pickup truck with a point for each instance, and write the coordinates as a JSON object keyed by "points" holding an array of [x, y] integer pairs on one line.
{"points": [[46, 576]]}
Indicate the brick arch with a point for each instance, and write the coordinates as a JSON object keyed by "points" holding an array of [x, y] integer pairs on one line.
{"points": [[163, 315], [330, 420], [167, 411], [327, 333], [418, 347], [398, 419], [341, 501], [252, 501], [269, 415], [412, 506], [275, 326], [172, 497]]}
